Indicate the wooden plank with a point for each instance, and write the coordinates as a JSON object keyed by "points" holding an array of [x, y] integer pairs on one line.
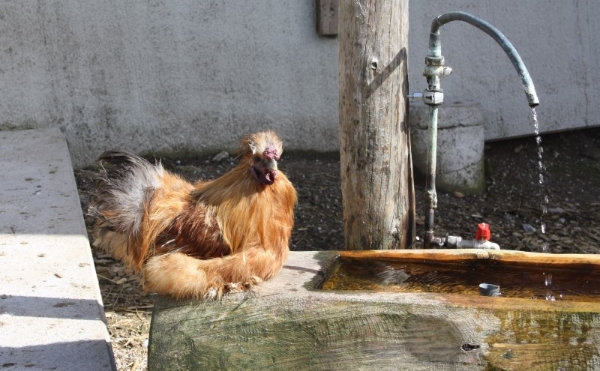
{"points": [[303, 333], [327, 17]]}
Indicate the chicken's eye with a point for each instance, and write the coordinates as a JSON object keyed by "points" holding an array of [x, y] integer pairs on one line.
{"points": [[256, 158]]}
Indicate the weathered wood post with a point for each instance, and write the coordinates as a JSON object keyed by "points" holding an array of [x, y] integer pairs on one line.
{"points": [[376, 168]]}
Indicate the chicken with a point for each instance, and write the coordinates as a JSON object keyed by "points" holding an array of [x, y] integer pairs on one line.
{"points": [[196, 240]]}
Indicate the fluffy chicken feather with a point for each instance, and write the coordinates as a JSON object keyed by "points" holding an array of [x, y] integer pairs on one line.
{"points": [[196, 240]]}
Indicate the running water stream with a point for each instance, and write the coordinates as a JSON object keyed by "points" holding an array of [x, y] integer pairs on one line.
{"points": [[544, 201], [541, 177]]}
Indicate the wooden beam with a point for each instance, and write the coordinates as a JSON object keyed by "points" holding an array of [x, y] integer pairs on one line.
{"points": [[289, 323], [327, 17]]}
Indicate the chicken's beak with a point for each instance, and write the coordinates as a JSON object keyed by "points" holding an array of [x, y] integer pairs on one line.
{"points": [[265, 171], [271, 165]]}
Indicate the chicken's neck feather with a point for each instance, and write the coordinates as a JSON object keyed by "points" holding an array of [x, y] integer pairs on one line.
{"points": [[236, 183], [249, 212]]}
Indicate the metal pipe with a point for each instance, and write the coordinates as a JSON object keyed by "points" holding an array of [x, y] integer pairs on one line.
{"points": [[433, 96], [460, 243], [431, 194], [509, 49]]}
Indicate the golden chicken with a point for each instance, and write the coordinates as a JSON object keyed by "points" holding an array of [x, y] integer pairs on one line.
{"points": [[197, 240]]}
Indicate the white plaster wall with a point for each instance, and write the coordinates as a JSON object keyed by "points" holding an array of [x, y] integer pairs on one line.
{"points": [[167, 75], [186, 74]]}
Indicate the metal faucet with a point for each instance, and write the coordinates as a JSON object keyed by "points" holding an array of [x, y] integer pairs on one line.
{"points": [[434, 61], [433, 96]]}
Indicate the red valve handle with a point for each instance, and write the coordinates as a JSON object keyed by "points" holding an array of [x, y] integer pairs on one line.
{"points": [[483, 232]]}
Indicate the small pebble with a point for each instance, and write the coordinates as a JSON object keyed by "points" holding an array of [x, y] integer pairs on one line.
{"points": [[220, 156]]}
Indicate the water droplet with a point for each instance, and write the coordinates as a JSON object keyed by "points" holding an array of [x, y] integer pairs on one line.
{"points": [[548, 280]]}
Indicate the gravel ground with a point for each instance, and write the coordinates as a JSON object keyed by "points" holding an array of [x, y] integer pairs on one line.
{"points": [[512, 205]]}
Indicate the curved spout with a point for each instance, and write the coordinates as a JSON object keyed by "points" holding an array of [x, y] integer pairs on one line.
{"points": [[509, 49]]}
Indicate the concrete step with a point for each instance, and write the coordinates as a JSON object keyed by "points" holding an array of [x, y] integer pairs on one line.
{"points": [[51, 313]]}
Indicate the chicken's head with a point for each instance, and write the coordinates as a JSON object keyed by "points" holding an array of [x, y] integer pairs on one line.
{"points": [[262, 151]]}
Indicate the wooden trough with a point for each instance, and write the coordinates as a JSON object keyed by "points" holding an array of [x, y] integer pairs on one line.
{"points": [[319, 314]]}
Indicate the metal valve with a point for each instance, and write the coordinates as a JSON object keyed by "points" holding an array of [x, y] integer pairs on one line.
{"points": [[433, 97]]}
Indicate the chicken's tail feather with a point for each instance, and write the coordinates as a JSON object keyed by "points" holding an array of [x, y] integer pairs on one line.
{"points": [[125, 186]]}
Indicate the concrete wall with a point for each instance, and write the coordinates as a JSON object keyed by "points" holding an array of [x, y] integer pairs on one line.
{"points": [[167, 75]]}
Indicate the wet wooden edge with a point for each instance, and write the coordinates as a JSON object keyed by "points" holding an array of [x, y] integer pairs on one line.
{"points": [[458, 255]]}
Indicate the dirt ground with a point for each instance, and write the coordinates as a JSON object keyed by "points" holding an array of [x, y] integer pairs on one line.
{"points": [[512, 205]]}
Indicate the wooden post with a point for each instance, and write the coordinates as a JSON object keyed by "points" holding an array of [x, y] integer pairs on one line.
{"points": [[376, 168]]}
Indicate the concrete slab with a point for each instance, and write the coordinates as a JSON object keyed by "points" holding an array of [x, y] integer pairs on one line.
{"points": [[51, 313]]}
